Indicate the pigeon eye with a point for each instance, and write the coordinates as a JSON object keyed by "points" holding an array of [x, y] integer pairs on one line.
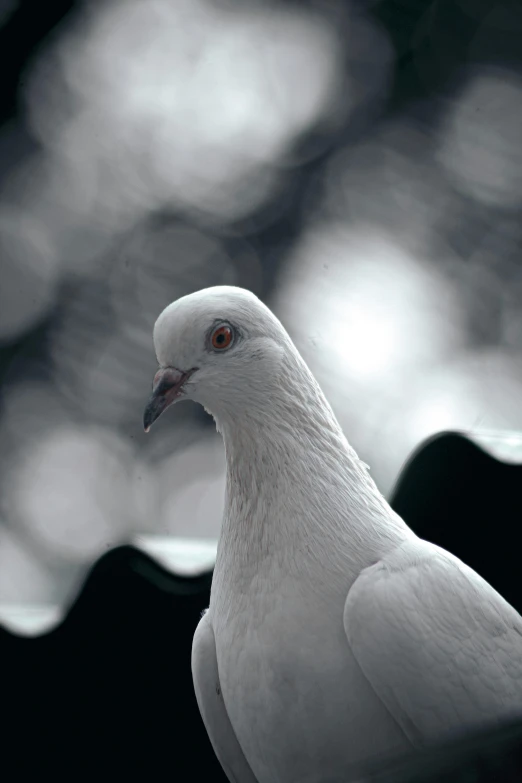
{"points": [[222, 338]]}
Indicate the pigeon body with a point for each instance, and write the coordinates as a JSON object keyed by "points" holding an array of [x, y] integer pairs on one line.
{"points": [[335, 637]]}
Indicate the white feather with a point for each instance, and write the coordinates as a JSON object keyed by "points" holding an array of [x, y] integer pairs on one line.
{"points": [[334, 636]]}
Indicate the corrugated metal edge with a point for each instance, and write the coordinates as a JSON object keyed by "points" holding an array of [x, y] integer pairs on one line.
{"points": [[185, 557]]}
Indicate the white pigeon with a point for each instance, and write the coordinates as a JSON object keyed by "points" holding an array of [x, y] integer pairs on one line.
{"points": [[334, 636]]}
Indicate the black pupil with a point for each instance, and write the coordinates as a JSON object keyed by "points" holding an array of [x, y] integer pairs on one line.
{"points": [[220, 338]]}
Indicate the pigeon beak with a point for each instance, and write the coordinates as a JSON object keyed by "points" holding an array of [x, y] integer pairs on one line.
{"points": [[167, 387]]}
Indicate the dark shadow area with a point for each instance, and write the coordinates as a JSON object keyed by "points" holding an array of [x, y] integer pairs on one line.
{"points": [[109, 692]]}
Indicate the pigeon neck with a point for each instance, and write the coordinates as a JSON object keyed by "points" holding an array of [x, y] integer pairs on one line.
{"points": [[294, 483]]}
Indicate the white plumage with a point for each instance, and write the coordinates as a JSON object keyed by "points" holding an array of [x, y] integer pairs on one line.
{"points": [[335, 637]]}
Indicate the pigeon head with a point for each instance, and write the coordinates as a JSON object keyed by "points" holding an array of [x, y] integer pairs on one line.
{"points": [[221, 347]]}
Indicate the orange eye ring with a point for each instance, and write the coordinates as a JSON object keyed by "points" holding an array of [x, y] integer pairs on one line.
{"points": [[222, 337]]}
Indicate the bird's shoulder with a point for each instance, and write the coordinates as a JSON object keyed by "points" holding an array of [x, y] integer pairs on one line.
{"points": [[418, 573], [439, 645]]}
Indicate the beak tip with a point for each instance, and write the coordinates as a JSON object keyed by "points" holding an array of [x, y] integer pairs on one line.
{"points": [[153, 411], [148, 419]]}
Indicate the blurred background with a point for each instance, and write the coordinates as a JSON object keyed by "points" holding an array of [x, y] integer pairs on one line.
{"points": [[356, 163]]}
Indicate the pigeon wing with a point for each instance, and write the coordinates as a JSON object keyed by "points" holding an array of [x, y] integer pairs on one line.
{"points": [[440, 647], [212, 707]]}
